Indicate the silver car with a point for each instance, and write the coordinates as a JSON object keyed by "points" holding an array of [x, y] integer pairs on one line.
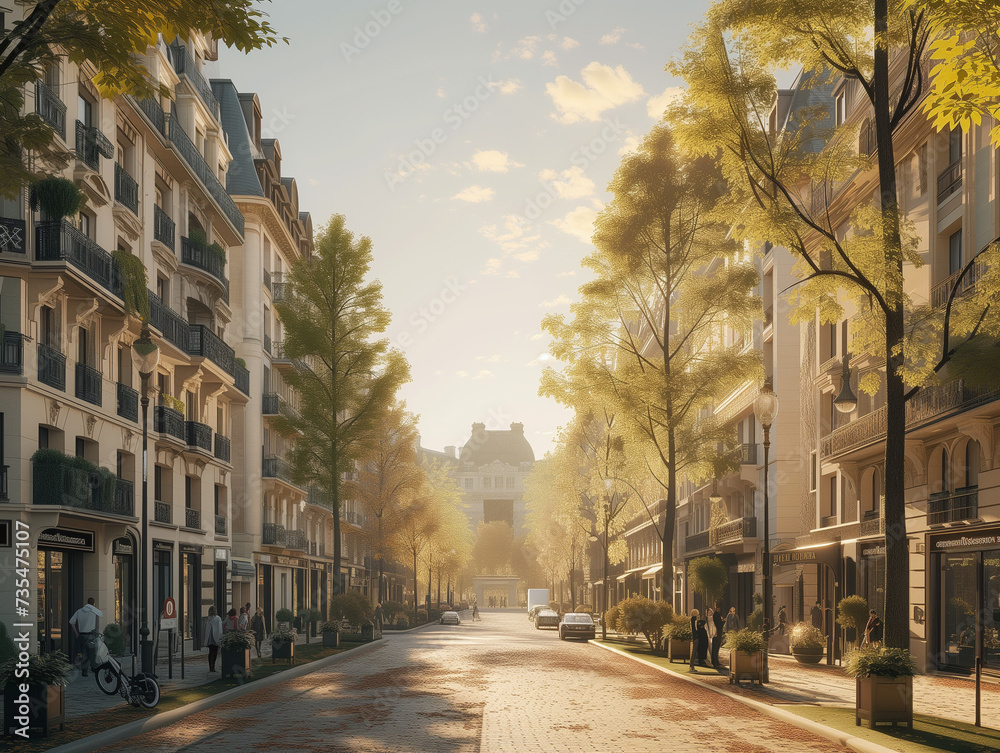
{"points": [[450, 618]]}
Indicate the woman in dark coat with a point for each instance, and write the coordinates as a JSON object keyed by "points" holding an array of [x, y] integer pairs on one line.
{"points": [[257, 625], [700, 638]]}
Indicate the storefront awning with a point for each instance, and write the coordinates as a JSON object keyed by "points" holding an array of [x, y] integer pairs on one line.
{"points": [[653, 571], [622, 577], [243, 570]]}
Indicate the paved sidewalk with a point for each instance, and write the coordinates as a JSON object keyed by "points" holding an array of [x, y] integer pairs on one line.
{"points": [[83, 697]]}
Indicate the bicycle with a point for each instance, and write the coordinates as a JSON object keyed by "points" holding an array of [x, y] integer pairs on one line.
{"points": [[139, 689]]}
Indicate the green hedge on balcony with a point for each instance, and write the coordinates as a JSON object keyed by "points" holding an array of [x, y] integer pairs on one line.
{"points": [[69, 480]]}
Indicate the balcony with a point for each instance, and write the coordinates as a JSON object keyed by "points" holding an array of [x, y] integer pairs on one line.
{"points": [[279, 289], [941, 292], [313, 548], [267, 279], [947, 507], [734, 530], [126, 189], [697, 541], [222, 448], [51, 367], [192, 518], [267, 344], [199, 435], [206, 344], [91, 145], [207, 259], [768, 316], [242, 377], [61, 241], [170, 324], [274, 534], [220, 525], [59, 479], [271, 404], [12, 235], [186, 65], [162, 512], [872, 524], [278, 352], [950, 180], [297, 540], [12, 353], [929, 404], [169, 422], [163, 227], [274, 467], [748, 454], [128, 402], [88, 384], [50, 108]]}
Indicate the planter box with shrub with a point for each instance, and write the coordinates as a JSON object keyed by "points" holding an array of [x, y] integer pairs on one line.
{"points": [[746, 655], [331, 634], [884, 685], [46, 697], [234, 651]]}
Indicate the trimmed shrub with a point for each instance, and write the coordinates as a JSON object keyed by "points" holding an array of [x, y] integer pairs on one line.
{"points": [[853, 615], [612, 618], [872, 661], [746, 640], [679, 629], [391, 610], [401, 623], [284, 615], [351, 606], [709, 576], [805, 636], [642, 615], [584, 609]]}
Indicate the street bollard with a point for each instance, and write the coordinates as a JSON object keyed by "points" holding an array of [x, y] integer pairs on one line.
{"points": [[979, 682]]}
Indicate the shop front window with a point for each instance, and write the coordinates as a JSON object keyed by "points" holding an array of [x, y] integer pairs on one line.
{"points": [[991, 609], [958, 610]]}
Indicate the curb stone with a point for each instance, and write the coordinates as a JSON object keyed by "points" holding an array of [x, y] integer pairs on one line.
{"points": [[125, 731], [854, 743]]}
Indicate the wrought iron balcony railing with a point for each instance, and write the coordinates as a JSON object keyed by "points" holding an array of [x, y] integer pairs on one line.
{"points": [[163, 227], [270, 404], [734, 530], [274, 534], [88, 384], [242, 377], [950, 180], [205, 343], [51, 108], [51, 367], [697, 541], [192, 518], [296, 540], [748, 454], [128, 402], [168, 421], [223, 449], [12, 353], [91, 145], [186, 65], [12, 235], [170, 324], [205, 259], [61, 241], [267, 279], [162, 512], [199, 435], [220, 525], [126, 189], [58, 479], [953, 507]]}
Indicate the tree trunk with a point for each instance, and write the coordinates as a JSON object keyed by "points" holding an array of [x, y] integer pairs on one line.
{"points": [[604, 606], [897, 569], [416, 612]]}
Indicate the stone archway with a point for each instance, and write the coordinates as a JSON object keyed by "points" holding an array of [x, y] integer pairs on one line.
{"points": [[501, 586]]}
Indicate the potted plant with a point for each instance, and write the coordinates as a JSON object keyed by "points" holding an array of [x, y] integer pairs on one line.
{"points": [[853, 615], [114, 639], [235, 648], [56, 197], [884, 689], [314, 617], [284, 617], [807, 643], [41, 696], [283, 643], [331, 633], [677, 636], [746, 655]]}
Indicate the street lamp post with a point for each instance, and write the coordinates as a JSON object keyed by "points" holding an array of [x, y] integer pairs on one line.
{"points": [[146, 357], [765, 408]]}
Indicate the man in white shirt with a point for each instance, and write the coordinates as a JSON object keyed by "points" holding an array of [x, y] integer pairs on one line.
{"points": [[84, 624]]}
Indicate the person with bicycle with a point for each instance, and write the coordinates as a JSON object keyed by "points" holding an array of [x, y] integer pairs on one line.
{"points": [[84, 623]]}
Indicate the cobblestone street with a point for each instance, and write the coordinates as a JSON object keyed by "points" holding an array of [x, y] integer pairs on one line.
{"points": [[496, 685]]}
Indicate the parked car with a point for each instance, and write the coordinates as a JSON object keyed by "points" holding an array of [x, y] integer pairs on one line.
{"points": [[533, 611], [546, 618], [577, 625], [450, 618]]}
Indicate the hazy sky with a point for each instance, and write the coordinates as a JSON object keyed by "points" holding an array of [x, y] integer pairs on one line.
{"points": [[473, 143]]}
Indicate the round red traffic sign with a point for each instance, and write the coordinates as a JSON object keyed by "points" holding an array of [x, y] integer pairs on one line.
{"points": [[169, 608]]}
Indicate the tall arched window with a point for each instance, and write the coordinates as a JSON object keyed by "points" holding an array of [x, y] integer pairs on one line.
{"points": [[945, 474], [972, 463]]}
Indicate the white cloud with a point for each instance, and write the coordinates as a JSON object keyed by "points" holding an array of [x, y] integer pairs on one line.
{"points": [[560, 300], [440, 93], [508, 86], [635, 45], [475, 194], [613, 36], [537, 336], [569, 184], [493, 161], [579, 223], [496, 358], [603, 88], [632, 142], [483, 374], [513, 238], [492, 266], [570, 273], [568, 43], [513, 273], [478, 23], [461, 374], [549, 58], [525, 48], [656, 104], [527, 256]]}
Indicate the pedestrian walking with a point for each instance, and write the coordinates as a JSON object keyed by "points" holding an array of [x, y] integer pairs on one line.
{"points": [[259, 629], [85, 623], [379, 617], [732, 621], [243, 621], [873, 630], [716, 635], [782, 620], [231, 622], [213, 634], [816, 614], [475, 612]]}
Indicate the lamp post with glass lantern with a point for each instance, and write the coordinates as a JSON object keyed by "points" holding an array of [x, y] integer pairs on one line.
{"points": [[765, 408], [146, 357]]}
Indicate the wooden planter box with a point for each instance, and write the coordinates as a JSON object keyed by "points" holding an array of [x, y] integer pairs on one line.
{"points": [[283, 650], [46, 708], [743, 666], [808, 656], [235, 663], [884, 699], [331, 639], [679, 650]]}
